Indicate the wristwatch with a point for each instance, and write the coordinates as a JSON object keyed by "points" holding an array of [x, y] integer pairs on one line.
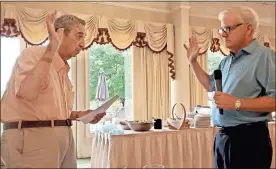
{"points": [[238, 104]]}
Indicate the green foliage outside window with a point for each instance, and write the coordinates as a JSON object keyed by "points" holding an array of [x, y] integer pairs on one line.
{"points": [[112, 62], [213, 61]]}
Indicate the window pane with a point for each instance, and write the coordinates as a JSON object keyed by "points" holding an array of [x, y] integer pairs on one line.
{"points": [[45, 43], [214, 60], [10, 50], [116, 66], [128, 86]]}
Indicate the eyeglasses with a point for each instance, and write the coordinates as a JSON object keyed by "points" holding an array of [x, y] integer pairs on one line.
{"points": [[228, 29]]}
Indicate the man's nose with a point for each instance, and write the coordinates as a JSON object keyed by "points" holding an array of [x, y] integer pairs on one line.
{"points": [[224, 34]]}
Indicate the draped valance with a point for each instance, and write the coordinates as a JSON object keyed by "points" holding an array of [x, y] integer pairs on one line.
{"points": [[211, 39], [121, 33]]}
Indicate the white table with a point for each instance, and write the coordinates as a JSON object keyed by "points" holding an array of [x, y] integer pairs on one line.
{"points": [[192, 148]]}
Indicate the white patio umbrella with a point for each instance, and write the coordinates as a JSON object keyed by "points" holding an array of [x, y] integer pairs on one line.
{"points": [[102, 93], [102, 88]]}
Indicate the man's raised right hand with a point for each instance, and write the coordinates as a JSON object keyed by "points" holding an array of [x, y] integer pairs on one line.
{"points": [[193, 50], [55, 37]]}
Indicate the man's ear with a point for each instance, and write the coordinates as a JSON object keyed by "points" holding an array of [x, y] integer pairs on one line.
{"points": [[250, 29]]}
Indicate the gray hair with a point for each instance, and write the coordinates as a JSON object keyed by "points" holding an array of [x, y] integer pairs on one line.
{"points": [[66, 21], [244, 15]]}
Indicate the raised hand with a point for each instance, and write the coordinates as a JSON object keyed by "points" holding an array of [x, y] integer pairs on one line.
{"points": [[55, 37], [193, 50]]}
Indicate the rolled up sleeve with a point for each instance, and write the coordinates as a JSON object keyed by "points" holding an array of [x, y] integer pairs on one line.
{"points": [[266, 73]]}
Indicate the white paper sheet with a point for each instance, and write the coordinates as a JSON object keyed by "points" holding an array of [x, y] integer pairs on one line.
{"points": [[90, 116]]}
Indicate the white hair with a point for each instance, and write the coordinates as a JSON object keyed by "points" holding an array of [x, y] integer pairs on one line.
{"points": [[244, 15]]}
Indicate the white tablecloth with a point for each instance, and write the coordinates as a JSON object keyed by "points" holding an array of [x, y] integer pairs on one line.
{"points": [[192, 148]]}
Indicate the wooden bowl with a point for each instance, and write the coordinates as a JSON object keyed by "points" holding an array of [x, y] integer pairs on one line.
{"points": [[140, 126]]}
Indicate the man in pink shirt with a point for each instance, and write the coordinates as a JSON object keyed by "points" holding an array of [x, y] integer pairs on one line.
{"points": [[36, 108]]}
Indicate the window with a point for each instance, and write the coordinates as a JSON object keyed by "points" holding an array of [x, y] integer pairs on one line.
{"points": [[116, 66], [214, 59], [10, 50]]}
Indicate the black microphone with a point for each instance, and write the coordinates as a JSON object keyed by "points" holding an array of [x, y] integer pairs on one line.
{"points": [[218, 84]]}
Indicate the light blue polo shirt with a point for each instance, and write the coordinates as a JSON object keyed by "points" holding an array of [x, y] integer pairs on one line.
{"points": [[250, 74]]}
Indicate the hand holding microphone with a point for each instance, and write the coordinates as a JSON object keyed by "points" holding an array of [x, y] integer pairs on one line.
{"points": [[218, 84], [223, 101]]}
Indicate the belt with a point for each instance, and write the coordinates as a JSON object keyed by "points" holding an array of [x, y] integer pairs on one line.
{"points": [[34, 124], [242, 127]]}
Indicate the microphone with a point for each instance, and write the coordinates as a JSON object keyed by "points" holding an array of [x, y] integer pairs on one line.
{"points": [[218, 84]]}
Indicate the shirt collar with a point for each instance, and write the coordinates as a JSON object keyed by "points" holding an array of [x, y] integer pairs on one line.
{"points": [[248, 49], [251, 47], [60, 64]]}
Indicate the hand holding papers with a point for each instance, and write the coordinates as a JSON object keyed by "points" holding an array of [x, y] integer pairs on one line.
{"points": [[90, 116]]}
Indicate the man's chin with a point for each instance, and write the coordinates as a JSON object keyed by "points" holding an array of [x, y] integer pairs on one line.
{"points": [[70, 57], [74, 55], [228, 44]]}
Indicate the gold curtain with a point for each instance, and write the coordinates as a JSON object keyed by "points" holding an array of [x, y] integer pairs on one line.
{"points": [[122, 32], [198, 93], [151, 90], [204, 38]]}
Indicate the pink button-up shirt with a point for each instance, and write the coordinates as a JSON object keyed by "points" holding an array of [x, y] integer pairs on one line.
{"points": [[31, 96]]}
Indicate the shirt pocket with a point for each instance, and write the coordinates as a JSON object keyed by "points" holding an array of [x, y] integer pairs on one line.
{"points": [[47, 103], [70, 99]]}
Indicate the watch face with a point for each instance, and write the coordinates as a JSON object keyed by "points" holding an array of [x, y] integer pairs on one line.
{"points": [[237, 104]]}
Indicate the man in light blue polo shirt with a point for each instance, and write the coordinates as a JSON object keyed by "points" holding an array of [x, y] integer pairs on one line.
{"points": [[248, 93]]}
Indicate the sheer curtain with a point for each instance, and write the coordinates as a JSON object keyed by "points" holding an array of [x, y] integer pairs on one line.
{"points": [[151, 84], [198, 93], [128, 105], [80, 80]]}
